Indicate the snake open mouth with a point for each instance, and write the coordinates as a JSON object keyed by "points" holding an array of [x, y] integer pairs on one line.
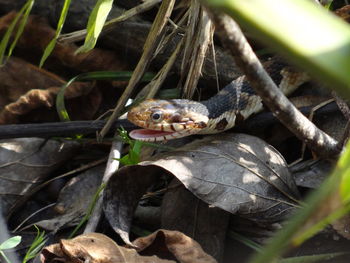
{"points": [[146, 135], [156, 136]]}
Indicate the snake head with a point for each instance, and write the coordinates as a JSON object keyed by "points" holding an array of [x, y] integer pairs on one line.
{"points": [[163, 120]]}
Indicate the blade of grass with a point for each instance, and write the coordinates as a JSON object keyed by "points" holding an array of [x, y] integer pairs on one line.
{"points": [[245, 241], [89, 211], [96, 22], [312, 258], [48, 50], [21, 26], [102, 75], [5, 40], [36, 245]]}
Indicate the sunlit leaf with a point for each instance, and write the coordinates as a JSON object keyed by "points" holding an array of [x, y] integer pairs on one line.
{"points": [[97, 19], [52, 44], [10, 243]]}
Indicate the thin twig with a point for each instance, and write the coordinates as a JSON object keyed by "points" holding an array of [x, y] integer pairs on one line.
{"points": [[153, 39], [233, 39], [200, 41], [111, 168], [50, 129]]}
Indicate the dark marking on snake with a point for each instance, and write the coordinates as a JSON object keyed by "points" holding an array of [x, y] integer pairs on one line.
{"points": [[201, 125], [239, 118], [221, 125], [176, 118], [236, 95]]}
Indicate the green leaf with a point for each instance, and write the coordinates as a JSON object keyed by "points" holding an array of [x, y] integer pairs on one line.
{"points": [[96, 21], [10, 243], [48, 50]]}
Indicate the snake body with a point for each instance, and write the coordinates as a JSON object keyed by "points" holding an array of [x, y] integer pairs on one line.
{"points": [[163, 120]]}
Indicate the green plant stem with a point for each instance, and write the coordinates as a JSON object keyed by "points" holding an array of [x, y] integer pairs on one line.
{"points": [[5, 257], [89, 212]]}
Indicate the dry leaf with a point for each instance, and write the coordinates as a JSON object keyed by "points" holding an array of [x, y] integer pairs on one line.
{"points": [[93, 248], [172, 243], [184, 212], [26, 162], [74, 200], [38, 33], [238, 173], [25, 87]]}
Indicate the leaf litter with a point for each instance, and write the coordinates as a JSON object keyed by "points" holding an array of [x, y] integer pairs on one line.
{"points": [[253, 180]]}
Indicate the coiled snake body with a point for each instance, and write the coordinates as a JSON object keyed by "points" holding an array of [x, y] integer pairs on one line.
{"points": [[170, 119]]}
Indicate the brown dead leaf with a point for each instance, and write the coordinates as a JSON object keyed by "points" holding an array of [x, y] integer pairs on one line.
{"points": [[37, 34], [25, 163], [172, 244], [235, 172], [25, 87], [184, 212], [93, 248]]}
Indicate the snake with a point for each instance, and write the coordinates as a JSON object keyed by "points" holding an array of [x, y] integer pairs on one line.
{"points": [[163, 120]]}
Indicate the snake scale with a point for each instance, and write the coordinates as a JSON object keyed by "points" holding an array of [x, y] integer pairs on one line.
{"points": [[163, 120]]}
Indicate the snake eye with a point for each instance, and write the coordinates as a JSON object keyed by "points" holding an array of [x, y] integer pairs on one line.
{"points": [[157, 116]]}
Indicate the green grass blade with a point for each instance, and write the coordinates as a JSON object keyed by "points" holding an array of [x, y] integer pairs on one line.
{"points": [[111, 75], [244, 240], [6, 38], [89, 211], [60, 105], [5, 257], [21, 26], [96, 22], [312, 258], [36, 245], [48, 50], [102, 75], [306, 33]]}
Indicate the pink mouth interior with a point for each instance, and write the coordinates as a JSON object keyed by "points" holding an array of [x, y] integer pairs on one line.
{"points": [[144, 134]]}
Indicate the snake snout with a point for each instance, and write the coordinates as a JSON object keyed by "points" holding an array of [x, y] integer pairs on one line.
{"points": [[136, 117]]}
